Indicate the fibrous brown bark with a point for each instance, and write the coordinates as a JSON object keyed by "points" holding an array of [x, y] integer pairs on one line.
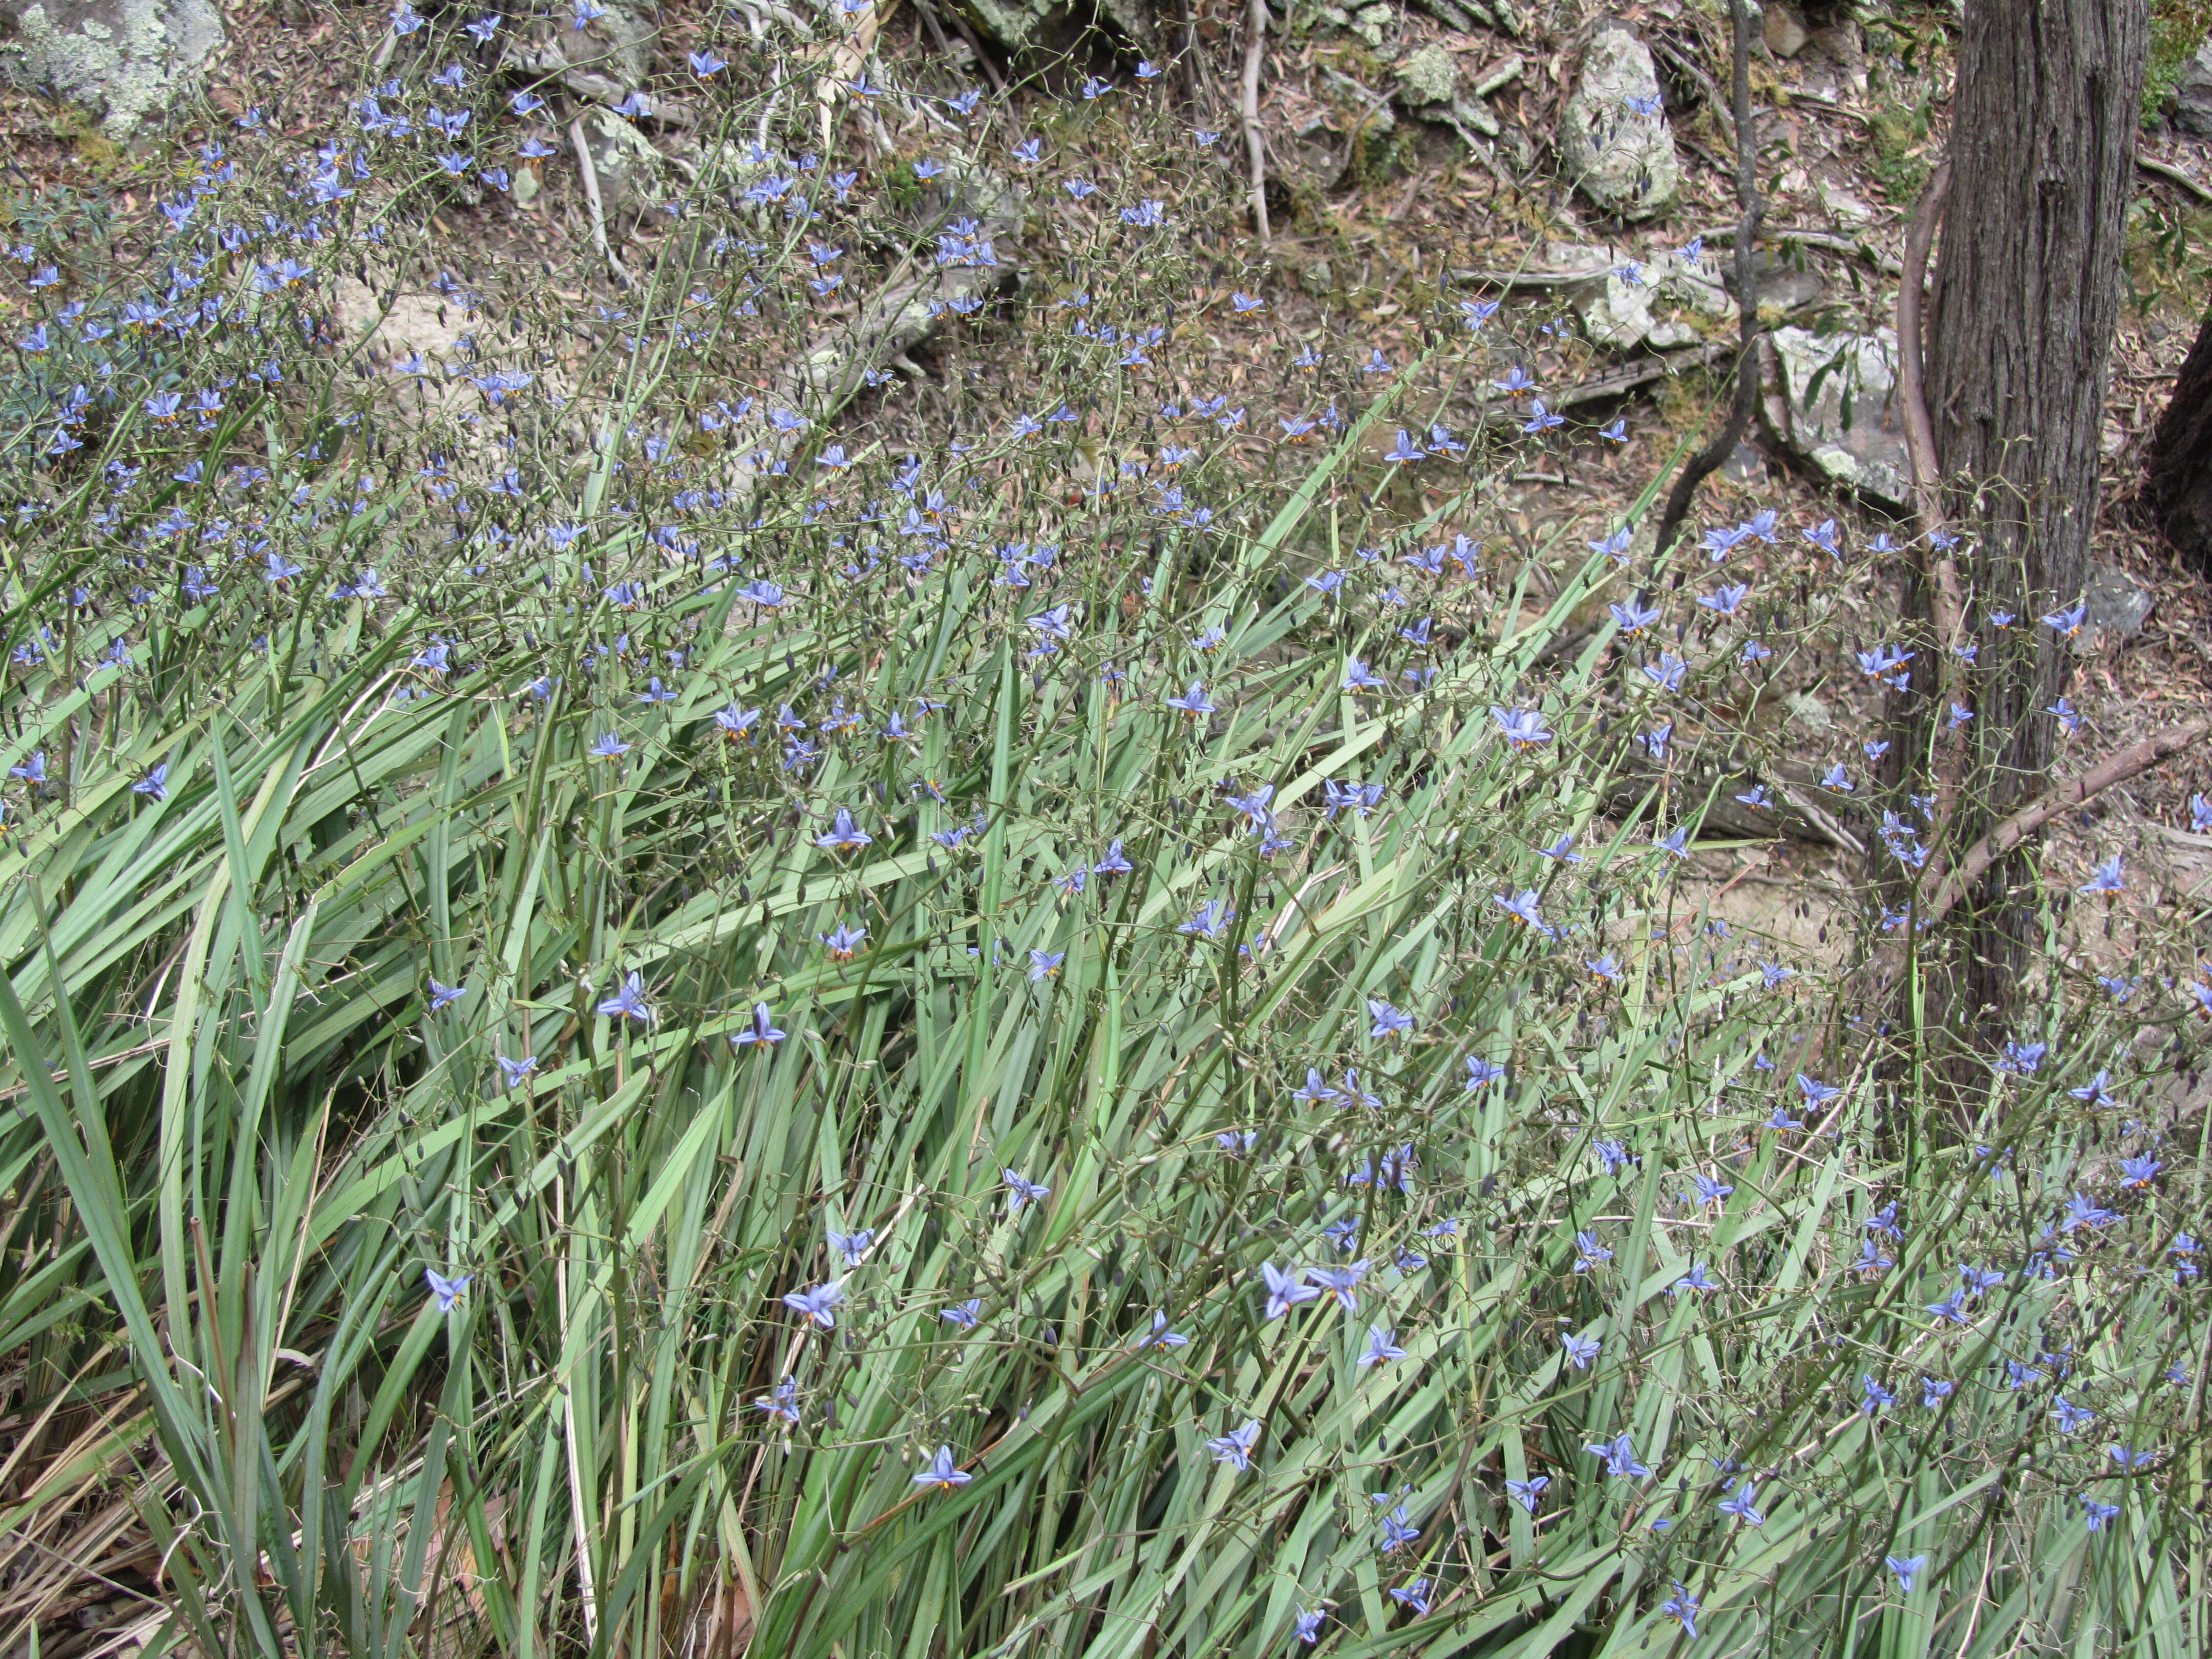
{"points": [[2181, 458], [2027, 295]]}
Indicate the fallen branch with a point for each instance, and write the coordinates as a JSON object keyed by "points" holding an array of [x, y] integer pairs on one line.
{"points": [[590, 177], [2174, 175], [1827, 241], [1947, 597], [1708, 461], [1256, 45], [2074, 791]]}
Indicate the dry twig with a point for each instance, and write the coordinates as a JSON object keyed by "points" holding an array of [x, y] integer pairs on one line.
{"points": [[2113, 769], [1708, 460], [590, 175], [1256, 45]]}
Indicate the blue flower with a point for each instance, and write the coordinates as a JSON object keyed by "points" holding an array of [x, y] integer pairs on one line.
{"points": [[2098, 1513], [1381, 1346], [943, 1473], [1695, 1280], [154, 783], [1283, 1290], [1906, 1567], [1522, 728], [1481, 1070], [817, 1302], [1740, 1503], [1235, 1447], [762, 1030], [1414, 1595], [1529, 1493], [1162, 1337], [964, 1315], [629, 1000], [513, 1072], [2082, 1211], [1633, 616], [1340, 1282], [1193, 702], [443, 996], [1255, 805], [446, 1290], [1619, 1456], [2071, 1419], [842, 835], [1580, 1350], [783, 1403], [1045, 965], [1522, 907], [1308, 1624], [1387, 1021], [1397, 1530], [1209, 920], [1021, 1191], [1683, 1606]]}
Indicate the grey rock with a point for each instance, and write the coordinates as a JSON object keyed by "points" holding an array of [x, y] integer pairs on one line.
{"points": [[1782, 288], [629, 169], [1785, 32], [1018, 24], [1624, 307], [1474, 113], [2192, 111], [1623, 160], [2117, 607], [617, 43], [1460, 15], [1836, 407], [125, 60], [1427, 77], [1744, 466], [1499, 77]]}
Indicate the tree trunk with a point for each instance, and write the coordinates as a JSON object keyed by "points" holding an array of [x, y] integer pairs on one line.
{"points": [[2027, 295], [2181, 458]]}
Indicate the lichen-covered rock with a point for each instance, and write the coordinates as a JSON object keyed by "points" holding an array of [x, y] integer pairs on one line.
{"points": [[1427, 77], [1017, 24], [1614, 139], [128, 61], [617, 43], [2192, 109], [628, 169], [2118, 607], [1838, 407]]}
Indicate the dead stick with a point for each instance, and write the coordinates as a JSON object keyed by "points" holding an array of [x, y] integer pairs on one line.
{"points": [[1708, 460], [1256, 45], [1947, 599], [591, 177], [2114, 770], [2173, 175]]}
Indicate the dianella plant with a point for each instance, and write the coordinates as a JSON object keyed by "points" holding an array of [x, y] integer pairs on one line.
{"points": [[671, 982]]}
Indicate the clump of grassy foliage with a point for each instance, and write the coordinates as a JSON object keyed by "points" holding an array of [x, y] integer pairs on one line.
{"points": [[635, 1014]]}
